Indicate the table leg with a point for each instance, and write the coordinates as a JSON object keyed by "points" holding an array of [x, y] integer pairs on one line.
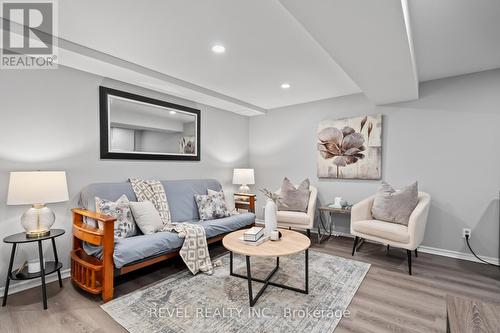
{"points": [[230, 263], [249, 277], [11, 262], [307, 271], [331, 224], [57, 261], [42, 275]]}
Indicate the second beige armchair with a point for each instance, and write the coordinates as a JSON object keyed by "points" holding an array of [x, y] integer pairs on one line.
{"points": [[364, 226]]}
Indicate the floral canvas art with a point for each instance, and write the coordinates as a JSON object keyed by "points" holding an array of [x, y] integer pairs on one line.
{"points": [[350, 148]]}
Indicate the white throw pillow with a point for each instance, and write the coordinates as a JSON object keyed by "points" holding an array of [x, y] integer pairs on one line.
{"points": [[146, 217]]}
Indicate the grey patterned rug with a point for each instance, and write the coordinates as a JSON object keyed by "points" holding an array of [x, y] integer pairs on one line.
{"points": [[219, 303]]}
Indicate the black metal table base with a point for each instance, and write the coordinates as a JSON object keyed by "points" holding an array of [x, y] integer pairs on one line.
{"points": [[266, 281], [11, 276], [325, 235]]}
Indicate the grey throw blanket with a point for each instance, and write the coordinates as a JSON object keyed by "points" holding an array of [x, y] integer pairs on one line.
{"points": [[194, 250]]}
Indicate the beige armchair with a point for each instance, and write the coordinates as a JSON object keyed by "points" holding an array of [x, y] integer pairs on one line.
{"points": [[363, 226], [300, 220]]}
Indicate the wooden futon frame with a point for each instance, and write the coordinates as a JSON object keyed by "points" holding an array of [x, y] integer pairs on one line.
{"points": [[97, 276]]}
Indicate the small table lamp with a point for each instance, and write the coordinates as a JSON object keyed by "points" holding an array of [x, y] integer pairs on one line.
{"points": [[243, 177], [37, 189]]}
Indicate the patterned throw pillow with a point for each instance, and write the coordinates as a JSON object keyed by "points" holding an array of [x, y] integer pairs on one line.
{"points": [[211, 206], [124, 224]]}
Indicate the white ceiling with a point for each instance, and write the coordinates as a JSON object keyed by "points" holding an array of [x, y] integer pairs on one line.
{"points": [[265, 46], [454, 37], [369, 39], [323, 48]]}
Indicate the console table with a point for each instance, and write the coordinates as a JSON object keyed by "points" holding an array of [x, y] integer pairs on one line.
{"points": [[49, 267], [331, 223]]}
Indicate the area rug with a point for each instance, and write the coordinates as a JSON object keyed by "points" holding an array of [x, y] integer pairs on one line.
{"points": [[219, 303]]}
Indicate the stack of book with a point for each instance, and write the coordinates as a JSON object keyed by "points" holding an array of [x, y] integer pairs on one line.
{"points": [[253, 236]]}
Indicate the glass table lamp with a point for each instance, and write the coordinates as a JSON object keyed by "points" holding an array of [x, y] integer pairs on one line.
{"points": [[243, 177], [37, 189]]}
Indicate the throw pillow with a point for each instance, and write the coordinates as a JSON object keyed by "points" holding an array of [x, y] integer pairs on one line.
{"points": [[395, 206], [294, 199], [124, 225], [228, 200], [211, 206], [147, 217]]}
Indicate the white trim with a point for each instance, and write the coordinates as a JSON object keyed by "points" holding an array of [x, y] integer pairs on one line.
{"points": [[28, 284], [457, 255], [425, 249]]}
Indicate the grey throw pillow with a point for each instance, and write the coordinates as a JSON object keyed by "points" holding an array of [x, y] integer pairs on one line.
{"points": [[395, 206], [294, 199], [124, 224], [147, 217]]}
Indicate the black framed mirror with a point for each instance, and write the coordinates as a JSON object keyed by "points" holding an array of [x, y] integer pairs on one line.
{"points": [[142, 128]]}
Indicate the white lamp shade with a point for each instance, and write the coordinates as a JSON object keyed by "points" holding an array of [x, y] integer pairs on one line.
{"points": [[243, 176], [38, 187]]}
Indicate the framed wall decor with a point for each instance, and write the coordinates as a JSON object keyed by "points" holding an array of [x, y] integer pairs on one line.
{"points": [[350, 148], [142, 128]]}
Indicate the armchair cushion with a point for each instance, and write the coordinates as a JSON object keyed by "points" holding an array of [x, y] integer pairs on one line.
{"points": [[298, 218], [385, 230], [395, 206], [292, 198]]}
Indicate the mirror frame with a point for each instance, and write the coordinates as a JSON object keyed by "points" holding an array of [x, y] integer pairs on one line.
{"points": [[104, 94]]}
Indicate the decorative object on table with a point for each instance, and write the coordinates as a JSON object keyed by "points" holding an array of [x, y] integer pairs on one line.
{"points": [[271, 211], [365, 226], [293, 198], [254, 243], [245, 201], [37, 189], [337, 203], [243, 177], [329, 226], [334, 282], [253, 234], [34, 266], [350, 148], [275, 235], [45, 267], [20, 268]]}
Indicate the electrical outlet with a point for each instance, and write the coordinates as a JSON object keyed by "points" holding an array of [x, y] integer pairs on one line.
{"points": [[466, 232]]}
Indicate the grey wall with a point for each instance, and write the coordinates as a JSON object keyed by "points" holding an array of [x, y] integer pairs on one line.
{"points": [[158, 142], [49, 120], [447, 140]]}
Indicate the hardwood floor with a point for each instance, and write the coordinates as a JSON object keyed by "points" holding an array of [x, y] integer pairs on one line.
{"points": [[388, 300]]}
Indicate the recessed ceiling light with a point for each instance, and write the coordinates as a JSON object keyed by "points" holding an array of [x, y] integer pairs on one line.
{"points": [[285, 85], [172, 112], [218, 48]]}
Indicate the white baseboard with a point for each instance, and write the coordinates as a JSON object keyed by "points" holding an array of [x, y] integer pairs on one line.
{"points": [[18, 286], [427, 249], [457, 255]]}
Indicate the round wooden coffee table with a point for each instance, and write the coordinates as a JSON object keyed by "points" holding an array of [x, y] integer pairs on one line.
{"points": [[290, 243]]}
